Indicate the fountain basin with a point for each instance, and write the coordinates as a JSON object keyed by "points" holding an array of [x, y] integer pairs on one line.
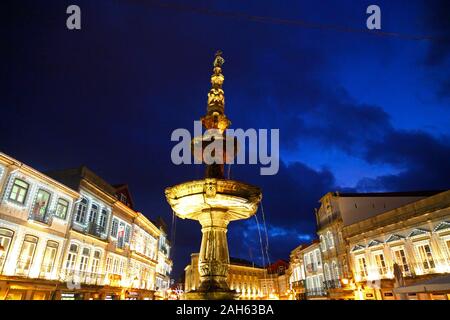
{"points": [[237, 200]]}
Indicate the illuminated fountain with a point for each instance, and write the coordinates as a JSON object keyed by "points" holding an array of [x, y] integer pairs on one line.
{"points": [[214, 201]]}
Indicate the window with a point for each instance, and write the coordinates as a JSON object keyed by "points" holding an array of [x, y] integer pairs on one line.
{"points": [[318, 258], [108, 264], [115, 266], [330, 239], [19, 191], [335, 270], [41, 203], [26, 254], [96, 261], [93, 214], [426, 256], [80, 215], [61, 208], [114, 228], [400, 259], [447, 243], [381, 265], [72, 257], [127, 234], [327, 271], [122, 267], [362, 267], [323, 244], [84, 259], [103, 220], [6, 237], [49, 257]]}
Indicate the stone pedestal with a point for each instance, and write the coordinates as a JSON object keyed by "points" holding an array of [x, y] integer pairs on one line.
{"points": [[213, 203]]}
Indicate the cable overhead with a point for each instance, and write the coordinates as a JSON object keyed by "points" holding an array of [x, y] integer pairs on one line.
{"points": [[289, 22]]}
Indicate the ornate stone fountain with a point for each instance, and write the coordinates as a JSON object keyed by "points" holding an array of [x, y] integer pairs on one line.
{"points": [[214, 201]]}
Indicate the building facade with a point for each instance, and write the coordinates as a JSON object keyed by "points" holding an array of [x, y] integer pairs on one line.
{"points": [[363, 235], [415, 237], [71, 235], [251, 282]]}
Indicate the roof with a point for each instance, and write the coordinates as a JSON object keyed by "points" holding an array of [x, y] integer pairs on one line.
{"points": [[388, 194], [414, 209], [72, 178], [243, 262]]}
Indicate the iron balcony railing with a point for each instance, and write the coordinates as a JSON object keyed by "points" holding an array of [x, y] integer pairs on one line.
{"points": [[434, 266], [23, 267], [298, 284], [2, 262], [120, 243], [96, 230], [311, 267], [316, 292], [43, 218], [332, 284], [46, 271], [82, 277], [92, 229]]}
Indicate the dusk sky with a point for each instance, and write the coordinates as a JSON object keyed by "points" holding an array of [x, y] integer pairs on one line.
{"points": [[356, 111]]}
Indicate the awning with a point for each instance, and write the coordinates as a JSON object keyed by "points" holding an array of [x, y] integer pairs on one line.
{"points": [[441, 283]]}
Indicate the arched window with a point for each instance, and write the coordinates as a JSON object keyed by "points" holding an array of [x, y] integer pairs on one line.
{"points": [[80, 215], [72, 257], [6, 237], [26, 254], [93, 214], [323, 244], [85, 253], [96, 261], [330, 239], [335, 270], [327, 272], [103, 220]]}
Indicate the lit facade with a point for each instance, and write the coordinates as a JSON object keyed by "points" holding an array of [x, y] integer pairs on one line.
{"points": [[249, 281], [362, 236], [70, 235], [297, 274], [416, 237]]}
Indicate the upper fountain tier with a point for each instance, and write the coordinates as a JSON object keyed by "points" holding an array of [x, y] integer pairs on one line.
{"points": [[236, 200], [229, 199]]}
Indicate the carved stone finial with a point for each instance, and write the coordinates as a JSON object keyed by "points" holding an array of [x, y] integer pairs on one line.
{"points": [[218, 61]]}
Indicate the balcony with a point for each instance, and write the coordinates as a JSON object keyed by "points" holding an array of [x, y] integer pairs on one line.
{"points": [[42, 218], [316, 292], [120, 243], [96, 230], [46, 271], [92, 229], [2, 261], [82, 277], [429, 267], [300, 284], [311, 267], [332, 284], [23, 267]]}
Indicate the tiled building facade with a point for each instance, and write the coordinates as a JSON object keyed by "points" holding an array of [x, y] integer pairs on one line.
{"points": [[71, 235]]}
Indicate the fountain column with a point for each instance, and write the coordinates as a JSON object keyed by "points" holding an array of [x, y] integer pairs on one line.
{"points": [[214, 201], [214, 257]]}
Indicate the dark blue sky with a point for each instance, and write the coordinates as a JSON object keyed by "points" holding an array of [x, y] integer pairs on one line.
{"points": [[355, 111]]}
